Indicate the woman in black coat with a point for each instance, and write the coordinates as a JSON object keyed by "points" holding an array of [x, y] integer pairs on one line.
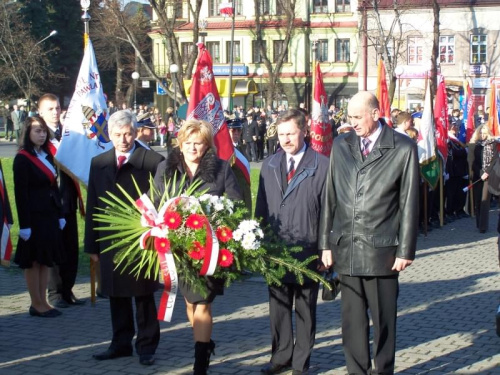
{"points": [[195, 159], [483, 152], [39, 210]]}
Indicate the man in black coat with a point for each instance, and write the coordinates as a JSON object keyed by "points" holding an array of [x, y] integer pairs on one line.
{"points": [[289, 199], [62, 277], [369, 221], [250, 134], [117, 166]]}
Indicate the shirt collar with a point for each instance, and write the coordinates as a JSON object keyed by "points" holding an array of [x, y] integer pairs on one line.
{"points": [[374, 136], [297, 157]]}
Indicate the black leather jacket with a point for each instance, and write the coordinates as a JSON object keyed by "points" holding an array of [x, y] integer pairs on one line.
{"points": [[370, 211]]}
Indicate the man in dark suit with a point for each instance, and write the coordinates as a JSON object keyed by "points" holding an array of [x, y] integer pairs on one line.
{"points": [[289, 198], [369, 221], [117, 166], [63, 276], [249, 135]]}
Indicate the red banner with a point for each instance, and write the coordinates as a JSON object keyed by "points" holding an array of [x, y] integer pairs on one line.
{"points": [[441, 119], [204, 104], [383, 94], [493, 114], [321, 128]]}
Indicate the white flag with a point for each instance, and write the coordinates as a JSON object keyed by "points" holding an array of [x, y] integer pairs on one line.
{"points": [[426, 139], [85, 133]]}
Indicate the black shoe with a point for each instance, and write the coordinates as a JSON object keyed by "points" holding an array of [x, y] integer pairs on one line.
{"points": [[272, 368], [72, 300], [100, 295], [52, 313], [498, 321], [112, 354], [61, 304], [147, 359]]}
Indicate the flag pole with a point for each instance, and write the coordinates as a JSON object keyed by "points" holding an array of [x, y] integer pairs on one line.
{"points": [[231, 59], [86, 19], [441, 192]]}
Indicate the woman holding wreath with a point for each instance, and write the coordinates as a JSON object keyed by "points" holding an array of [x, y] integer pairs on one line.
{"points": [[39, 210], [196, 160]]}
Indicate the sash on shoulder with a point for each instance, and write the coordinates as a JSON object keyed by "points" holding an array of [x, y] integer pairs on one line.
{"points": [[40, 165]]}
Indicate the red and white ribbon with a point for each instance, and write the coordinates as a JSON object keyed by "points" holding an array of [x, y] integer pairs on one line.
{"points": [[151, 218]]}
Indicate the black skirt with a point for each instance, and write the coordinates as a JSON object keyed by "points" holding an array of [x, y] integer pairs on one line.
{"points": [[45, 243], [215, 288]]}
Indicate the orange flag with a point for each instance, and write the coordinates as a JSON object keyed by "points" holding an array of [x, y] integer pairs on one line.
{"points": [[383, 94], [493, 114]]}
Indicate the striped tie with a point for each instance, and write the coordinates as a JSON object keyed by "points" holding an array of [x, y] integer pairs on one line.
{"points": [[291, 170], [366, 147]]}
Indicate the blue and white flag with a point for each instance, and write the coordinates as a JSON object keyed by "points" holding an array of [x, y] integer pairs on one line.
{"points": [[85, 132]]}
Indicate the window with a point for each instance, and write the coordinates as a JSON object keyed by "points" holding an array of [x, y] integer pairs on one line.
{"points": [[257, 56], [322, 50], [264, 6], [320, 6], [214, 5], [446, 49], [236, 52], [186, 49], [478, 49], [342, 50], [280, 7], [278, 48], [214, 50], [415, 50], [342, 6], [174, 8]]}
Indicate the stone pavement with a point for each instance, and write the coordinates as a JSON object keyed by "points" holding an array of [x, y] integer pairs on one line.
{"points": [[447, 304]]}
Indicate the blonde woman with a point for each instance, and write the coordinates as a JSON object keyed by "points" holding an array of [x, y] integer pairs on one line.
{"points": [[195, 158], [483, 153]]}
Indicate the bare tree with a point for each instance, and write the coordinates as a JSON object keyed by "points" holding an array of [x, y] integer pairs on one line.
{"points": [[274, 88], [22, 60]]}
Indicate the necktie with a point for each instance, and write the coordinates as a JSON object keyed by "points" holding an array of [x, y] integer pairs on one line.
{"points": [[121, 160], [366, 147], [291, 170]]}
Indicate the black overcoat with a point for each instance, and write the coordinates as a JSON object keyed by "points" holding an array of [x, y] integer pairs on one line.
{"points": [[105, 176]]}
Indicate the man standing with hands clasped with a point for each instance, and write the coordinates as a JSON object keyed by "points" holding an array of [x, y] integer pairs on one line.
{"points": [[369, 223], [291, 186]]}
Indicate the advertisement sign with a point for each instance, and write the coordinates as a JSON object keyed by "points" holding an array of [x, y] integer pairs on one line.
{"points": [[223, 70]]}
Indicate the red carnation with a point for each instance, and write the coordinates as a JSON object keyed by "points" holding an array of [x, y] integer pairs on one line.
{"points": [[225, 258], [172, 219], [195, 221], [224, 234], [197, 251], [162, 244]]}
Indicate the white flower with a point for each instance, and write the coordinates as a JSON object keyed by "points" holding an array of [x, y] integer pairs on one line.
{"points": [[238, 235], [218, 206], [248, 242], [259, 233], [205, 197], [248, 225]]}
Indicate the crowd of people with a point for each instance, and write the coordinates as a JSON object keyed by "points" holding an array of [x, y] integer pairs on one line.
{"points": [[354, 210]]}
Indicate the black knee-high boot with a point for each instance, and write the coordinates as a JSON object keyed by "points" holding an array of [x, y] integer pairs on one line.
{"points": [[202, 352]]}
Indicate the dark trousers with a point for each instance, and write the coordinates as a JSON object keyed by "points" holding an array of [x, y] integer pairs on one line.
{"points": [[251, 150], [272, 144], [62, 277], [122, 320], [455, 196], [260, 148], [280, 312], [482, 198], [379, 295]]}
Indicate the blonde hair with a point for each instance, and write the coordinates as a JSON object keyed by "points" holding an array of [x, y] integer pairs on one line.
{"points": [[476, 136], [202, 128], [412, 133]]}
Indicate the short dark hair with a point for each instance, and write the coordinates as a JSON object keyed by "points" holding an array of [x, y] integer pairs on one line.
{"points": [[26, 143], [295, 115], [49, 97]]}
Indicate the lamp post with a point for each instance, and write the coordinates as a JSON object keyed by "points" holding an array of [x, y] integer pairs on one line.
{"points": [[52, 33], [260, 72], [399, 70], [174, 68], [135, 77]]}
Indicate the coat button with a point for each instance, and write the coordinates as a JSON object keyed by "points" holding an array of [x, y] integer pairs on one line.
{"points": [[282, 205], [362, 171], [356, 218]]}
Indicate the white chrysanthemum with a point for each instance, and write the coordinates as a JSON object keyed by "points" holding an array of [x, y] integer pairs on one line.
{"points": [[247, 225], [218, 206], [247, 243], [204, 198], [238, 235], [259, 233]]}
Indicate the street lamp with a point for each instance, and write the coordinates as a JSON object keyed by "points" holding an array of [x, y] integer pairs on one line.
{"points": [[399, 70], [260, 72], [174, 68], [135, 77], [52, 33]]}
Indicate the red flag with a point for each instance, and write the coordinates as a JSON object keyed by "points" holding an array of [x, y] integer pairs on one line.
{"points": [[226, 8], [321, 129], [493, 114], [441, 119], [6, 217], [204, 104], [471, 109], [383, 94]]}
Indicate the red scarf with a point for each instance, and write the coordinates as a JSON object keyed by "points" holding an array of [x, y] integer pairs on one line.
{"points": [[40, 165]]}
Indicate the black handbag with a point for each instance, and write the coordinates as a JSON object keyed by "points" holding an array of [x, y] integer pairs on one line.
{"points": [[332, 278]]}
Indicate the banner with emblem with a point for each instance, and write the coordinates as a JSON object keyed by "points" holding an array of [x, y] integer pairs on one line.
{"points": [[205, 104], [321, 128], [85, 133], [383, 94]]}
